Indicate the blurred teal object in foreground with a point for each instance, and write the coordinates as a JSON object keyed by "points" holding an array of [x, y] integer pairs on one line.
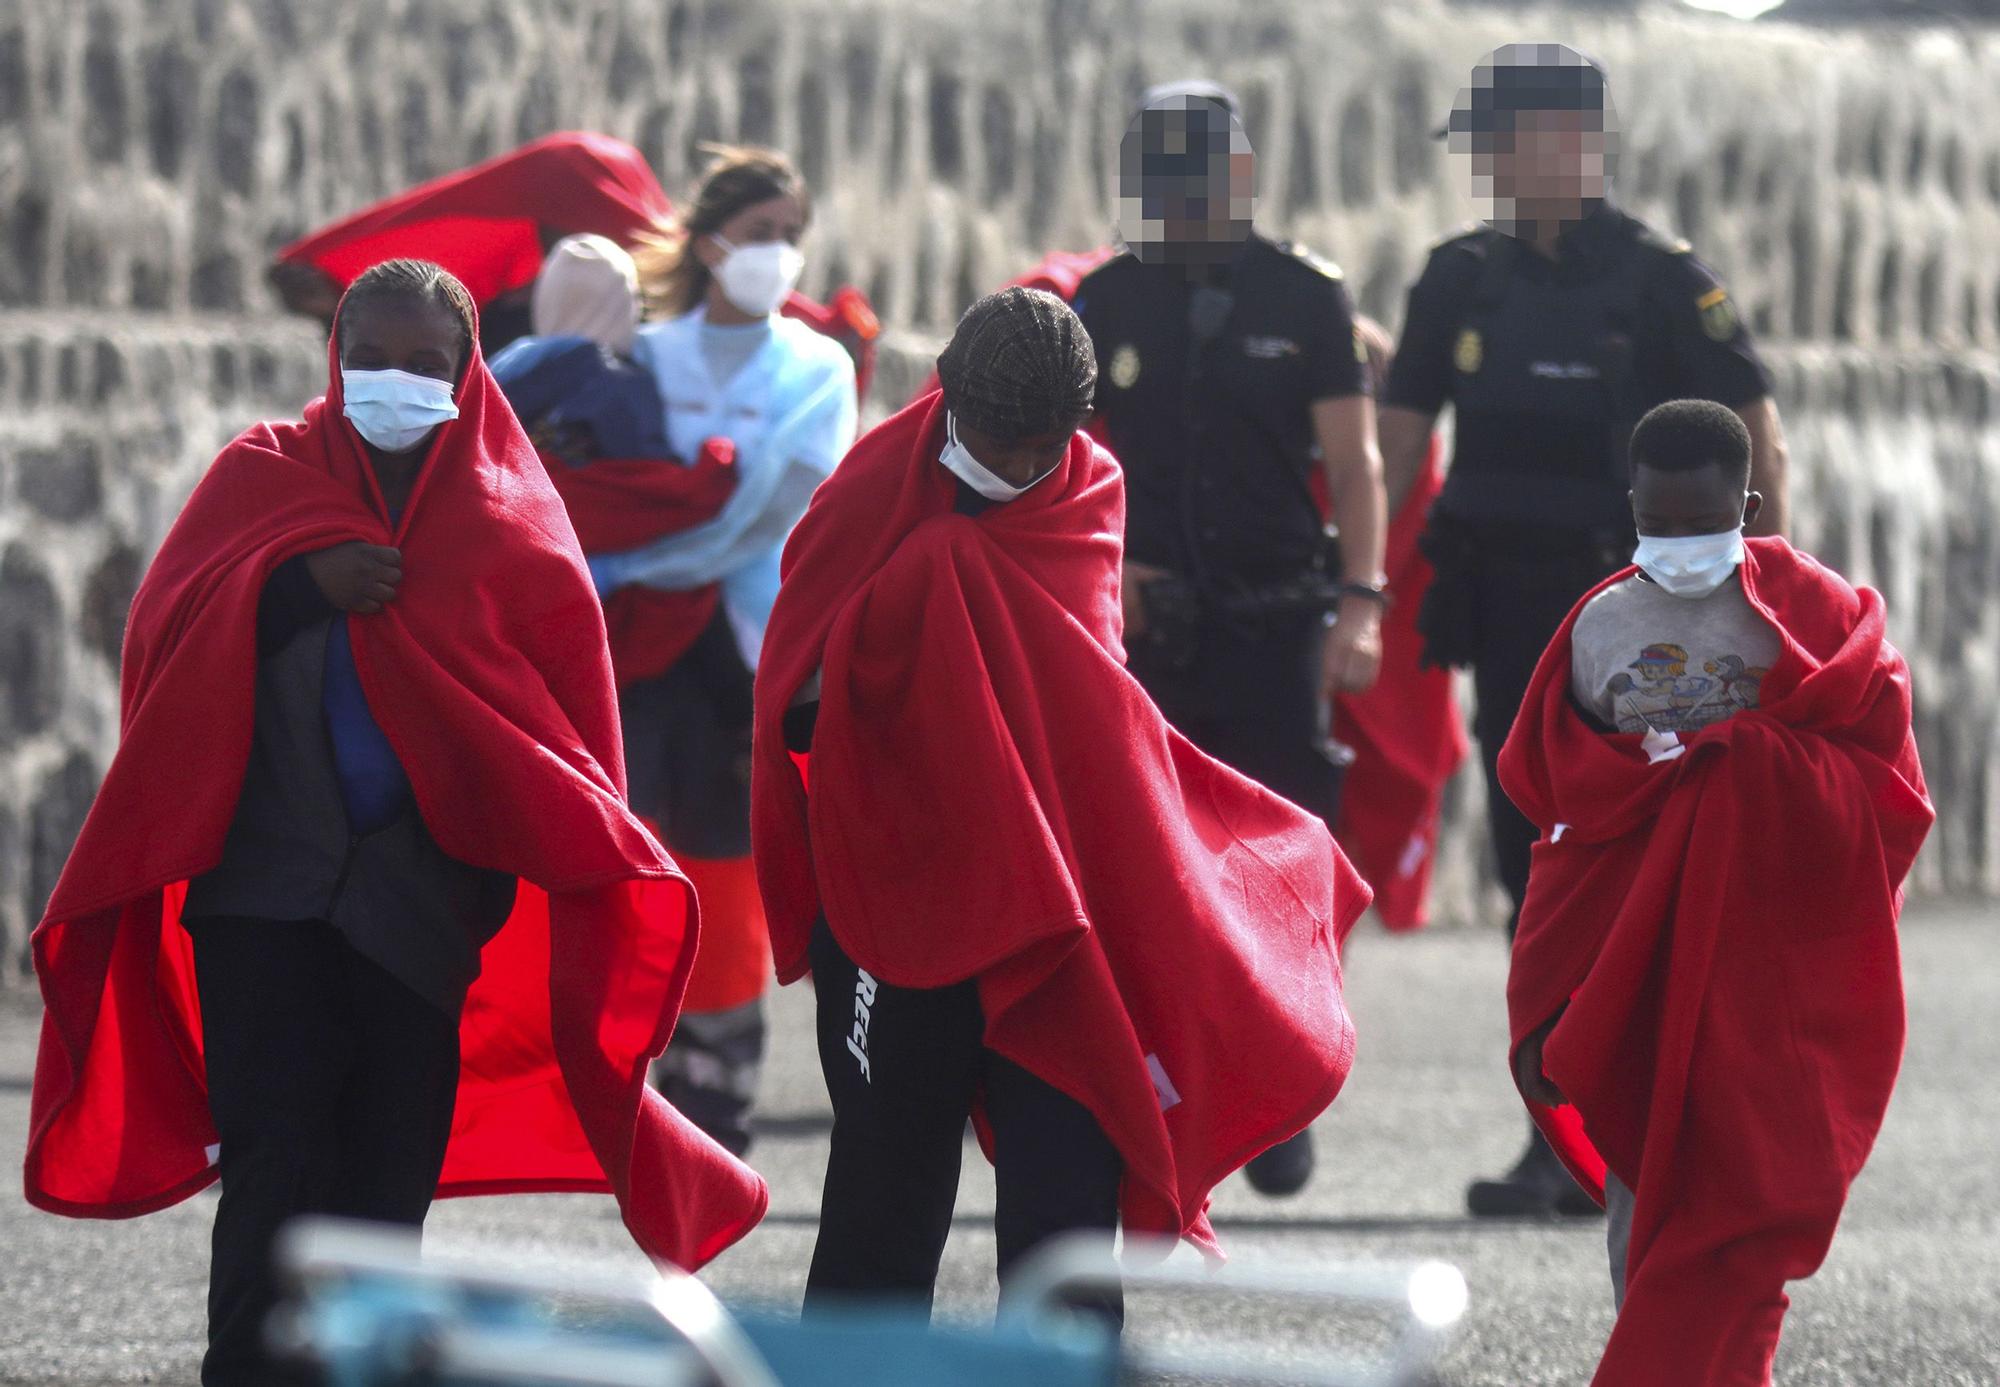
{"points": [[367, 1310]]}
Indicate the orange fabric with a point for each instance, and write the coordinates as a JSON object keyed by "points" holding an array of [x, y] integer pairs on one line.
{"points": [[733, 964]]}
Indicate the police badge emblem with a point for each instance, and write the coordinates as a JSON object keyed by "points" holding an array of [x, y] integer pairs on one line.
{"points": [[1718, 314], [1125, 366], [1469, 353]]}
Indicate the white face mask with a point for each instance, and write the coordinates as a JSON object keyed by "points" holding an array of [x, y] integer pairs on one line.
{"points": [[394, 410], [959, 461], [756, 278], [1690, 566]]}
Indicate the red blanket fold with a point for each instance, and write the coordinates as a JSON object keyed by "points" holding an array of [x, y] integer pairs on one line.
{"points": [[487, 224], [492, 224], [1718, 933], [618, 504], [489, 676], [1407, 735], [993, 797]]}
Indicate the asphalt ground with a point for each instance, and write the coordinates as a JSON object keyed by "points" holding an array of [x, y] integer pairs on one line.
{"points": [[1910, 1294]]}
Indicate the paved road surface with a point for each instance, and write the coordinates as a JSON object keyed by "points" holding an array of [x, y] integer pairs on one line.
{"points": [[1909, 1295]]}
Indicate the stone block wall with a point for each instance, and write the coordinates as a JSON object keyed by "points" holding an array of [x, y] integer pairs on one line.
{"points": [[153, 155]]}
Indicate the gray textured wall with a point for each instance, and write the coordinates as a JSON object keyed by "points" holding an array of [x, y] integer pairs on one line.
{"points": [[152, 155]]}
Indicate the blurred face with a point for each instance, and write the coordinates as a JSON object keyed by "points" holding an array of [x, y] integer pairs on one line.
{"points": [[1016, 461], [1187, 181], [1678, 505], [774, 219], [419, 336], [1549, 168], [1203, 208]]}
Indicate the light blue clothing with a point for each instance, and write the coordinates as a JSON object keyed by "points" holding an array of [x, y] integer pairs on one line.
{"points": [[728, 350], [790, 409]]}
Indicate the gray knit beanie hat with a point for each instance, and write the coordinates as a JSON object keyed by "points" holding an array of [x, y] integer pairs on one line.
{"points": [[1019, 365]]}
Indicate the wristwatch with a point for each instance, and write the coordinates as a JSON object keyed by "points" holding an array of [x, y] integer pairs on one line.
{"points": [[1377, 593]]}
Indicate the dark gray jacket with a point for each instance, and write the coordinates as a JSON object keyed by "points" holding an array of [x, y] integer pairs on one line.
{"points": [[395, 895]]}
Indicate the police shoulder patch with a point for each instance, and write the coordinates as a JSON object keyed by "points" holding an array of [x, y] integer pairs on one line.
{"points": [[1718, 315], [1469, 353], [1125, 366]]}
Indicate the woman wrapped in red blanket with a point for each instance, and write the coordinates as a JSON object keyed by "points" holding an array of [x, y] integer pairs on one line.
{"points": [[1015, 887], [360, 914], [1706, 997]]}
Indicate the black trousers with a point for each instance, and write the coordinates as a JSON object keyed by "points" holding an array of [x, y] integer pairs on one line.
{"points": [[1518, 606], [332, 1087], [1250, 698], [687, 747], [903, 1067]]}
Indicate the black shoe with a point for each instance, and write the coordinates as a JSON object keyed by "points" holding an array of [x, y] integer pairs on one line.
{"points": [[1539, 1186], [1285, 1168]]}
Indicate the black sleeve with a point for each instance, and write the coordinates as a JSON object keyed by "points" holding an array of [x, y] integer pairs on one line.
{"points": [[291, 601], [1336, 364], [1420, 374], [1710, 348], [1086, 307]]}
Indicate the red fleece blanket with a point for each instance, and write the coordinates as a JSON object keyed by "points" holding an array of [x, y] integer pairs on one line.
{"points": [[492, 224], [993, 797], [1717, 930], [1407, 735], [489, 676], [618, 504]]}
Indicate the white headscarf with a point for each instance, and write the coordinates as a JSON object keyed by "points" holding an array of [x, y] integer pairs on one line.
{"points": [[588, 287]]}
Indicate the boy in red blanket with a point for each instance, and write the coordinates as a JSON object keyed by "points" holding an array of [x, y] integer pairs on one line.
{"points": [[1706, 998], [360, 913], [1017, 890]]}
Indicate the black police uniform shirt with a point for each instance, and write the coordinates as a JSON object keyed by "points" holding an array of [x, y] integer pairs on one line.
{"points": [[1216, 439], [1548, 364]]}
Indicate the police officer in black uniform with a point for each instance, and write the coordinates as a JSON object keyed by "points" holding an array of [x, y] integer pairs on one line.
{"points": [[1550, 331], [1228, 369]]}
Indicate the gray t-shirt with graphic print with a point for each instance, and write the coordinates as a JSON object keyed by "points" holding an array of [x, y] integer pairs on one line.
{"points": [[1642, 659]]}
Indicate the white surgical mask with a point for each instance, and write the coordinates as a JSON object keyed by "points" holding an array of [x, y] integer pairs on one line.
{"points": [[756, 278], [959, 461], [395, 409], [1690, 566]]}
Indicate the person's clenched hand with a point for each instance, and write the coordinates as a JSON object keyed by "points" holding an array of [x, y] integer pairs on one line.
{"points": [[357, 576]]}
